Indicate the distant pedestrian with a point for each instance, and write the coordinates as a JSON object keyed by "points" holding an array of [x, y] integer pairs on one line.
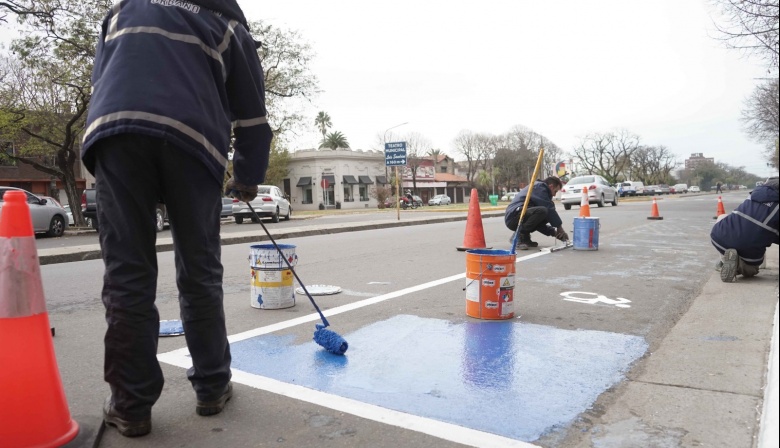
{"points": [[718, 188], [173, 82], [743, 235], [540, 216]]}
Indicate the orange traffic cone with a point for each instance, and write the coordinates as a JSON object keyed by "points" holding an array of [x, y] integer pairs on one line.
{"points": [[721, 210], [585, 204], [34, 411], [654, 211], [475, 235]]}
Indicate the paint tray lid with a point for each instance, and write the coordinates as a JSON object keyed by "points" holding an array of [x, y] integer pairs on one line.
{"points": [[171, 328], [319, 290]]}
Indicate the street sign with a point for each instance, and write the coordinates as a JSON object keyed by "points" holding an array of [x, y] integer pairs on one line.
{"points": [[324, 184], [395, 154]]}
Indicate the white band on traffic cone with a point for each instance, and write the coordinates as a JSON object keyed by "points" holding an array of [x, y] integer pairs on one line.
{"points": [[21, 289]]}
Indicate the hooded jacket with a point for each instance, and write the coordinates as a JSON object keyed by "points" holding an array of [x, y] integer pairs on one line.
{"points": [[541, 196], [190, 75], [751, 227]]}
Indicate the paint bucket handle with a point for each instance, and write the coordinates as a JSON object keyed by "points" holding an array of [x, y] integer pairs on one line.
{"points": [[472, 280]]}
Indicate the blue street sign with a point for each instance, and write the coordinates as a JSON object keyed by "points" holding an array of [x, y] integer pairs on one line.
{"points": [[395, 154]]}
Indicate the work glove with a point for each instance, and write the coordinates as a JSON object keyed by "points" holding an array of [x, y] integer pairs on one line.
{"points": [[561, 234], [239, 191]]}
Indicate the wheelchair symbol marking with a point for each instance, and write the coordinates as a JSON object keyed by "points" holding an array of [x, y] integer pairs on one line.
{"points": [[618, 302]]}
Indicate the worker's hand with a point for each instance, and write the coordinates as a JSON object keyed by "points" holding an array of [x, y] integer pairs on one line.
{"points": [[561, 234], [239, 191]]}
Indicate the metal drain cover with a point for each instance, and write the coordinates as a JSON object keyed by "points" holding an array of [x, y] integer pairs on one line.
{"points": [[320, 290], [171, 328]]}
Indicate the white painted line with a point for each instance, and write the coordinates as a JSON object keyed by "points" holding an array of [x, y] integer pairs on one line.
{"points": [[352, 306], [446, 431], [769, 436], [435, 428]]}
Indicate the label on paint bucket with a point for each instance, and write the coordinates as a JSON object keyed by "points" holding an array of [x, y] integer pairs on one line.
{"points": [[272, 289], [265, 256]]}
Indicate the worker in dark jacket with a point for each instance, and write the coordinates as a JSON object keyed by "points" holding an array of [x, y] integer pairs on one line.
{"points": [[172, 80], [540, 216], [743, 235]]}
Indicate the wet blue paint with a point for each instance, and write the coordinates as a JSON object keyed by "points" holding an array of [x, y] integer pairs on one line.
{"points": [[509, 378]]}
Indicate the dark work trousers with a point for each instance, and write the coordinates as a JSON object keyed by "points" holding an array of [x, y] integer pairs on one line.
{"points": [[535, 219], [133, 173]]}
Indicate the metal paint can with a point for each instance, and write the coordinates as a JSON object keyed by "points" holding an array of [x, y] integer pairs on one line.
{"points": [[490, 283], [586, 233], [271, 282]]}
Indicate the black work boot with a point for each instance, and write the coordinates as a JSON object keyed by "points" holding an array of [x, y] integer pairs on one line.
{"points": [[126, 426], [525, 238], [212, 407]]}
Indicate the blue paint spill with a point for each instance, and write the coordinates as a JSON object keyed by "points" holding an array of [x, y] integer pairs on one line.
{"points": [[508, 378]]}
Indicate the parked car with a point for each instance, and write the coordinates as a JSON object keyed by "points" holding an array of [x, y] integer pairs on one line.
{"points": [[599, 191], [71, 221], [440, 199], [663, 189], [269, 203], [651, 190], [47, 215], [89, 211], [227, 208], [509, 196], [694, 189], [632, 188], [680, 188]]}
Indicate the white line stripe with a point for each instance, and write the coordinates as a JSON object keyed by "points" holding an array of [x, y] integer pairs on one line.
{"points": [[436, 428], [442, 430], [768, 433]]}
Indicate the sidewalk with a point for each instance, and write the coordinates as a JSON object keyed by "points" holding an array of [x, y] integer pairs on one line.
{"points": [[708, 384]]}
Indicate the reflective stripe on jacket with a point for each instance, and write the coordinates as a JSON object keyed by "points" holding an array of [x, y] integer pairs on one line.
{"points": [[174, 70]]}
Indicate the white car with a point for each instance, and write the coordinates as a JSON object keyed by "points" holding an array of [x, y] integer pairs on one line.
{"points": [[47, 215], [508, 197], [440, 199], [694, 189], [269, 203], [599, 191]]}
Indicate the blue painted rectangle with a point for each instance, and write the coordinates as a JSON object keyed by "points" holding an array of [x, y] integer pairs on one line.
{"points": [[508, 378]]}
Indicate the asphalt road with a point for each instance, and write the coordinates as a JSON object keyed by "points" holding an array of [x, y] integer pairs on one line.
{"points": [[604, 347]]}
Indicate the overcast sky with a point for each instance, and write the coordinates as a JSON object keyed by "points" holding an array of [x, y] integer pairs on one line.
{"points": [[563, 69]]}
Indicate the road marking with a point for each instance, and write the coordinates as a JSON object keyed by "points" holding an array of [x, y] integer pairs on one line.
{"points": [[619, 302], [446, 431]]}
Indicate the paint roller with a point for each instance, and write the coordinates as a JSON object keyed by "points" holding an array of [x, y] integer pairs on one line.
{"points": [[328, 339]]}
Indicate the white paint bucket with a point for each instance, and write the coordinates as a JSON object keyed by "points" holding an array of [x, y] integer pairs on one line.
{"points": [[272, 282]]}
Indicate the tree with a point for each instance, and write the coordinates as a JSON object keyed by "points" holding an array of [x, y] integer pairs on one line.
{"points": [[46, 89], [607, 154], [761, 117], [334, 140], [653, 164], [466, 144], [752, 26], [323, 122], [434, 155], [24, 9], [417, 146], [289, 81]]}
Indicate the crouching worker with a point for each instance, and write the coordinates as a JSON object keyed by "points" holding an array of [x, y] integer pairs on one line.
{"points": [[743, 235], [540, 216]]}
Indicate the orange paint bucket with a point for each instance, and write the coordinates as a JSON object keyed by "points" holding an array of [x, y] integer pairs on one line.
{"points": [[490, 284]]}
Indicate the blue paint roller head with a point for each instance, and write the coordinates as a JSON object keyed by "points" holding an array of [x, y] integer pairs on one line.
{"points": [[330, 340]]}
